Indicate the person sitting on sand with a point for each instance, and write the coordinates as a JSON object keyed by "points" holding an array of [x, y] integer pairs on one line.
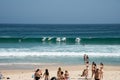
{"points": [[37, 74], [101, 71], [85, 73], [46, 75], [62, 77], [93, 69], [97, 74], [59, 73], [66, 75]]}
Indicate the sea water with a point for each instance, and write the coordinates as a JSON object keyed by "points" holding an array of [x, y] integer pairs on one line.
{"points": [[60, 43]]}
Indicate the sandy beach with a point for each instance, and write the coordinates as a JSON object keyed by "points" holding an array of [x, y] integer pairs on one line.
{"points": [[59, 39], [14, 72]]}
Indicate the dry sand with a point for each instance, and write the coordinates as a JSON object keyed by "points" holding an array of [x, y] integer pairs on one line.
{"points": [[110, 72]]}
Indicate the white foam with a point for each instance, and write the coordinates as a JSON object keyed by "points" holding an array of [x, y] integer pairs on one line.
{"points": [[28, 63], [58, 39], [77, 40], [50, 38], [19, 40], [17, 54], [44, 38], [64, 39], [5, 36]]}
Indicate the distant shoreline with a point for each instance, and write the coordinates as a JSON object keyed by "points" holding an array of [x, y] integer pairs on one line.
{"points": [[31, 66]]}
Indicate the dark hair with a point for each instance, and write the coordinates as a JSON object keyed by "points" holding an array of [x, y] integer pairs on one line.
{"points": [[62, 73], [66, 71], [93, 63], [37, 70], [46, 72], [101, 63], [87, 57], [97, 70], [53, 78], [87, 62], [59, 68]]}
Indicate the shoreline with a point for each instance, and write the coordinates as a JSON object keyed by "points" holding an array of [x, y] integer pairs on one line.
{"points": [[30, 66]]}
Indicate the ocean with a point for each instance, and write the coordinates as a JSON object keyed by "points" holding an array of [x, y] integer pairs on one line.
{"points": [[60, 43]]}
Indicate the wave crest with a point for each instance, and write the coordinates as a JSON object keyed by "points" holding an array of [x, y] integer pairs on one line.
{"points": [[73, 54], [61, 39]]}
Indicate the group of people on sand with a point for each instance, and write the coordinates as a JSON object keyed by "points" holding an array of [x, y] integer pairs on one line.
{"points": [[60, 75], [38, 75], [97, 73]]}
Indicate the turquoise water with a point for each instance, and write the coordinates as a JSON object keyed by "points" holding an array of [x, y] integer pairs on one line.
{"points": [[54, 43]]}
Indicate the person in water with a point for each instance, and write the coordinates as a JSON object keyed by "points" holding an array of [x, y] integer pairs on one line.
{"points": [[86, 58]]}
